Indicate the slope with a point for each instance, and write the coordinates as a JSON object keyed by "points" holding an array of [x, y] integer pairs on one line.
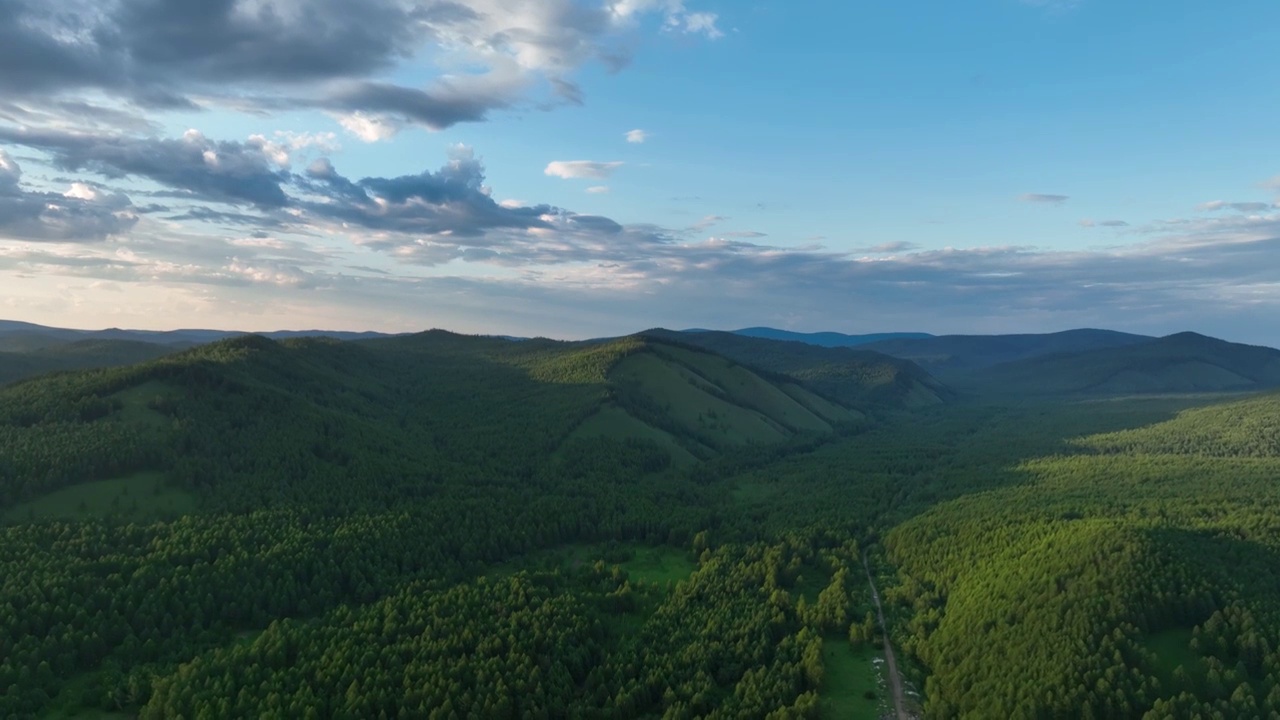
{"points": [[947, 355], [1186, 362], [868, 381], [251, 422], [28, 355]]}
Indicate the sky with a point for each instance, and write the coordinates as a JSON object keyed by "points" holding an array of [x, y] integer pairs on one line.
{"points": [[581, 168]]}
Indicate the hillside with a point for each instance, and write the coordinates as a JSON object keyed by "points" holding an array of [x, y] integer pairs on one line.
{"points": [[221, 417], [1186, 362], [323, 528], [948, 355], [855, 377], [28, 355], [823, 339]]}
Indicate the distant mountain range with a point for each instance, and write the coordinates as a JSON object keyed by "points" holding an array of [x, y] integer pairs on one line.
{"points": [[889, 369], [946, 355], [821, 339], [1182, 363], [32, 335]]}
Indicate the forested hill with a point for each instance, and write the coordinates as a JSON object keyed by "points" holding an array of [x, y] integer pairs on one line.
{"points": [[1185, 362], [948, 355], [25, 356], [355, 418], [851, 375]]}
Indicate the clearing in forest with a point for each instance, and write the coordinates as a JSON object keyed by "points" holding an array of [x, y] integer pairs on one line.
{"points": [[136, 498], [854, 685]]}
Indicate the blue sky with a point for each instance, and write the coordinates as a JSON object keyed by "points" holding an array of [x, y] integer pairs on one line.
{"points": [[988, 166]]}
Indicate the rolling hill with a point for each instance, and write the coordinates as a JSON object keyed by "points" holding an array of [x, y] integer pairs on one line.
{"points": [[946, 355], [1181, 363], [854, 376], [349, 415], [28, 355]]}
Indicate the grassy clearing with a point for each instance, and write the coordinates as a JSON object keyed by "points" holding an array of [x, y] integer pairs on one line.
{"points": [[1172, 650], [615, 423], [68, 703], [851, 675], [137, 498], [642, 563], [136, 411], [710, 419], [659, 565]]}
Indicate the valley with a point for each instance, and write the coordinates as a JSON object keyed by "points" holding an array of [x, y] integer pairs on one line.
{"points": [[657, 525]]}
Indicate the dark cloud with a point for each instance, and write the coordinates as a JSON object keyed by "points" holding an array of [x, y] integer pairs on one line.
{"points": [[231, 172], [434, 109], [279, 54], [451, 202], [82, 214]]}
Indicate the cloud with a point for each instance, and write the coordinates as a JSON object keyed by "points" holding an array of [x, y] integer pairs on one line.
{"points": [[560, 272], [897, 246], [231, 172], [677, 18], [1244, 207], [637, 136], [581, 169], [80, 214], [598, 189], [706, 222], [334, 55], [1043, 199], [1103, 223]]}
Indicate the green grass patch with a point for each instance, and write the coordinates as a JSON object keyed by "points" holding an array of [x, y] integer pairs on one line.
{"points": [[142, 497], [851, 675], [1172, 649], [659, 565], [69, 703], [137, 402]]}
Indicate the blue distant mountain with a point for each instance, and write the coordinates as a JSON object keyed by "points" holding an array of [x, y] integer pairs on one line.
{"points": [[822, 339]]}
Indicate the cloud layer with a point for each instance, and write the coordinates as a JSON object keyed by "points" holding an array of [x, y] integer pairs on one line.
{"points": [[332, 55]]}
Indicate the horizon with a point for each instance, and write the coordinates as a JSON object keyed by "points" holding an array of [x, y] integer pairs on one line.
{"points": [[584, 338], [564, 168]]}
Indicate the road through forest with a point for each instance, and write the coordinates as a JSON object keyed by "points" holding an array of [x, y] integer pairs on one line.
{"points": [[895, 680]]}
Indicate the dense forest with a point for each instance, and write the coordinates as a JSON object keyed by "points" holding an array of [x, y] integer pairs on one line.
{"points": [[444, 526]]}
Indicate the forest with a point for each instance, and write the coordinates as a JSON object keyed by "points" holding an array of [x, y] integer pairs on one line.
{"points": [[657, 526]]}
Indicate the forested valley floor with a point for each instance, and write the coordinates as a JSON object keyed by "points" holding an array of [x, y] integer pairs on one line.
{"points": [[264, 530]]}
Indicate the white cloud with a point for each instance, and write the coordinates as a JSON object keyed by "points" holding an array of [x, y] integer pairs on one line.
{"points": [[367, 127], [581, 169], [598, 189], [10, 171], [1089, 223], [637, 136], [1245, 207], [706, 222], [676, 17]]}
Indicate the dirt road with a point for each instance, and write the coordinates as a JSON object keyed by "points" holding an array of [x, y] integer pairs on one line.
{"points": [[895, 680]]}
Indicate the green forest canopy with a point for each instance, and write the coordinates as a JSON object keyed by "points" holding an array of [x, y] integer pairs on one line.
{"points": [[419, 527]]}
